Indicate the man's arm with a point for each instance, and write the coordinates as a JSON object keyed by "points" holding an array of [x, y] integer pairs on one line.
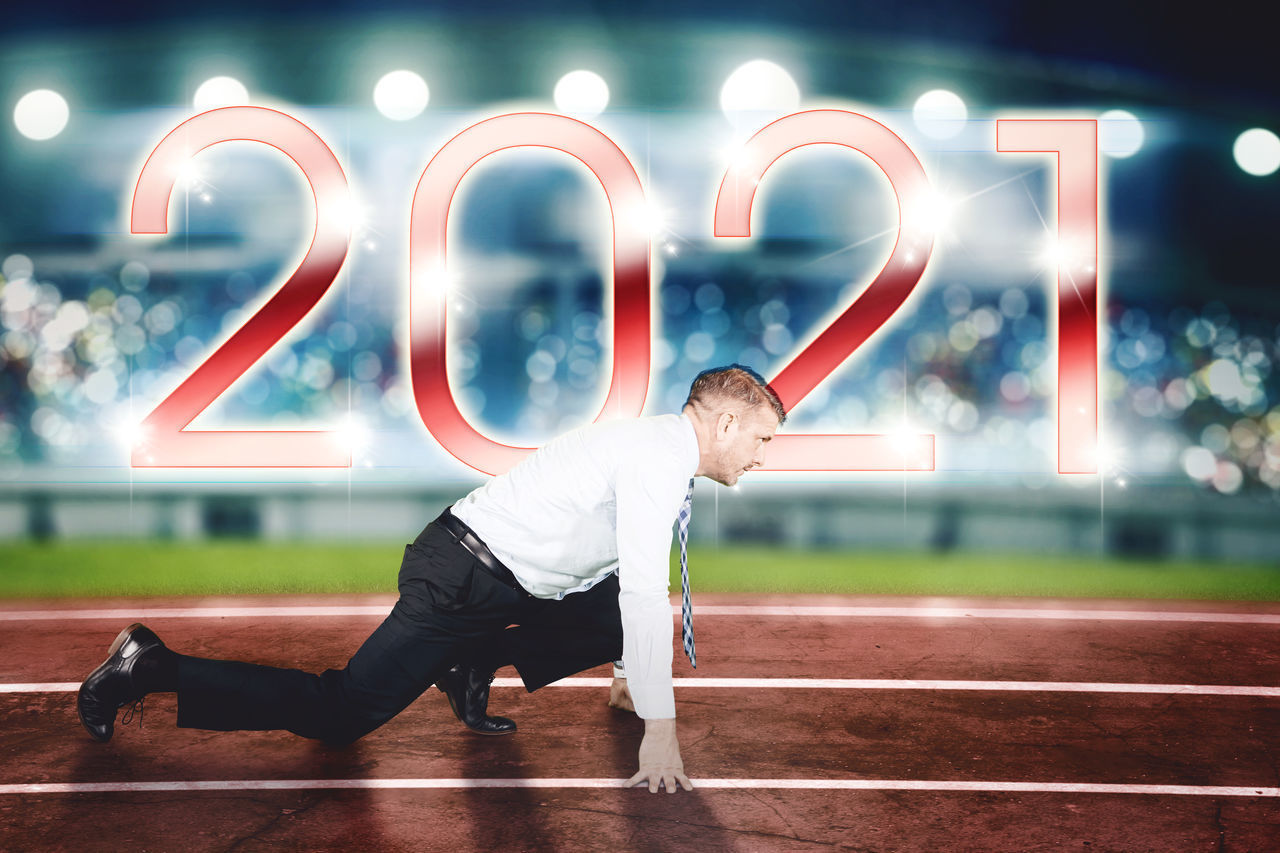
{"points": [[648, 497]]}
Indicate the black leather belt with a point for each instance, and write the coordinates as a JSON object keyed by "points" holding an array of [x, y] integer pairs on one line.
{"points": [[467, 538]]}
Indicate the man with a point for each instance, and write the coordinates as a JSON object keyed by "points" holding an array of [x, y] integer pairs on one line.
{"points": [[557, 566]]}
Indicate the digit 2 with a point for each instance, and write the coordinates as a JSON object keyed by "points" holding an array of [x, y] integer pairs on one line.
{"points": [[165, 441], [868, 312]]}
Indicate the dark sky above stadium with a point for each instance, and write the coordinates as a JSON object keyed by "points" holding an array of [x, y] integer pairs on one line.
{"points": [[1221, 51]]}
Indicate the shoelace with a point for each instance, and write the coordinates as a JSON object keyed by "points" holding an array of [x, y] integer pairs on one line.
{"points": [[135, 708]]}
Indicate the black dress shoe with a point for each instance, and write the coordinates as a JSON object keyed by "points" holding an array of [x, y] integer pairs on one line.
{"points": [[468, 692], [111, 686]]}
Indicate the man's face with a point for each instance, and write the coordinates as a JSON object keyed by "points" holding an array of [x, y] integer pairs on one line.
{"points": [[740, 441]]}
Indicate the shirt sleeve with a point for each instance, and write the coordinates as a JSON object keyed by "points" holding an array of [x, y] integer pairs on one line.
{"points": [[649, 492]]}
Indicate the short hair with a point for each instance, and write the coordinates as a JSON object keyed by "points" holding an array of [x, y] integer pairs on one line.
{"points": [[737, 382]]}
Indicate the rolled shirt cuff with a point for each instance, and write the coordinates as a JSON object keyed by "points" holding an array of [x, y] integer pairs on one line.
{"points": [[654, 700]]}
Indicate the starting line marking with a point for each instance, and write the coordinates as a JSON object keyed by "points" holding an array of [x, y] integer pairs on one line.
{"points": [[730, 784], [799, 610], [844, 684]]}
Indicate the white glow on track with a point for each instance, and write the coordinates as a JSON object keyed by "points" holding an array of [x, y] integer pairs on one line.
{"points": [[749, 610], [850, 684], [719, 784]]}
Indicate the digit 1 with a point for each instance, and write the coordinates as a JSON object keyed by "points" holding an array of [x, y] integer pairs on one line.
{"points": [[1075, 142], [868, 312], [428, 282], [165, 442]]}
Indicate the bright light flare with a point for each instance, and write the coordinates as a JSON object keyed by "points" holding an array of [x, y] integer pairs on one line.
{"points": [[933, 212], [940, 114], [649, 218], [1257, 151], [1065, 255], [129, 433], [41, 114], [582, 94], [1108, 456], [353, 435], [220, 92], [348, 214], [401, 95]]}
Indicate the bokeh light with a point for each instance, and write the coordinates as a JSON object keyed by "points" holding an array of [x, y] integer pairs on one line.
{"points": [[940, 114], [220, 92], [401, 95], [1120, 134], [758, 92], [41, 114], [1257, 151], [583, 94]]}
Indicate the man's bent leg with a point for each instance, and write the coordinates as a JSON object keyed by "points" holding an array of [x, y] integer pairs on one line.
{"points": [[556, 639]]}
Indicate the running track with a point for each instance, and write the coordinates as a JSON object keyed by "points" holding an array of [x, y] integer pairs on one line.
{"points": [[813, 723]]}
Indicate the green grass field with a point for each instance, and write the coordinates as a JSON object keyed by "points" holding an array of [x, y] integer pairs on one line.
{"points": [[224, 568]]}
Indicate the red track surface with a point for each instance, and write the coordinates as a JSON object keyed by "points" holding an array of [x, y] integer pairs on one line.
{"points": [[567, 732]]}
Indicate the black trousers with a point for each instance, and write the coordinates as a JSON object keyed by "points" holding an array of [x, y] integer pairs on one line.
{"points": [[450, 610]]}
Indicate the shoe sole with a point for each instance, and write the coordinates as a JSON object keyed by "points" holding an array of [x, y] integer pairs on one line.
{"points": [[119, 641]]}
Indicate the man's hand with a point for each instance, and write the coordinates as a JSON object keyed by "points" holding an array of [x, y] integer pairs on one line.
{"points": [[620, 696], [660, 758]]}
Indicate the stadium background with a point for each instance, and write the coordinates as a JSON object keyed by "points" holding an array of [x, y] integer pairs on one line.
{"points": [[98, 325]]}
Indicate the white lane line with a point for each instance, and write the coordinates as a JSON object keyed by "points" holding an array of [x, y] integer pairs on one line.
{"points": [[846, 684], [730, 784], [799, 610]]}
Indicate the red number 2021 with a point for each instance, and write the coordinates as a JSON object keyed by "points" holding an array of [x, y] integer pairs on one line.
{"points": [[166, 441]]}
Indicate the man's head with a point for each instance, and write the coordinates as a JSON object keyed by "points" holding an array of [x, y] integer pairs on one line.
{"points": [[735, 413]]}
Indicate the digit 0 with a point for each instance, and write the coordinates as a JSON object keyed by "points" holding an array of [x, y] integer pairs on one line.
{"points": [[1075, 142], [428, 281], [867, 313], [165, 441]]}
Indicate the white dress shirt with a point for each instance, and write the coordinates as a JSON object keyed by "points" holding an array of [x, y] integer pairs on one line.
{"points": [[594, 500]]}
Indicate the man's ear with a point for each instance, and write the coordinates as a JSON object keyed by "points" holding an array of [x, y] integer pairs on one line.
{"points": [[724, 421]]}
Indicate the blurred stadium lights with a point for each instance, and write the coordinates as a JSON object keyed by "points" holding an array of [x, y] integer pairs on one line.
{"points": [[41, 114], [756, 93], [940, 114], [1120, 133], [401, 95], [101, 319], [1257, 151], [582, 94], [220, 91]]}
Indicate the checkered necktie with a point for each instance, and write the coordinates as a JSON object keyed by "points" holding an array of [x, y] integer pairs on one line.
{"points": [[686, 615]]}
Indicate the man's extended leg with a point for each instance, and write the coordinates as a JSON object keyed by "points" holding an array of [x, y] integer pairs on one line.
{"points": [[445, 602]]}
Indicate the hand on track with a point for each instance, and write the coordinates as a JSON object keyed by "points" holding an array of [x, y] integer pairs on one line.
{"points": [[660, 763]]}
